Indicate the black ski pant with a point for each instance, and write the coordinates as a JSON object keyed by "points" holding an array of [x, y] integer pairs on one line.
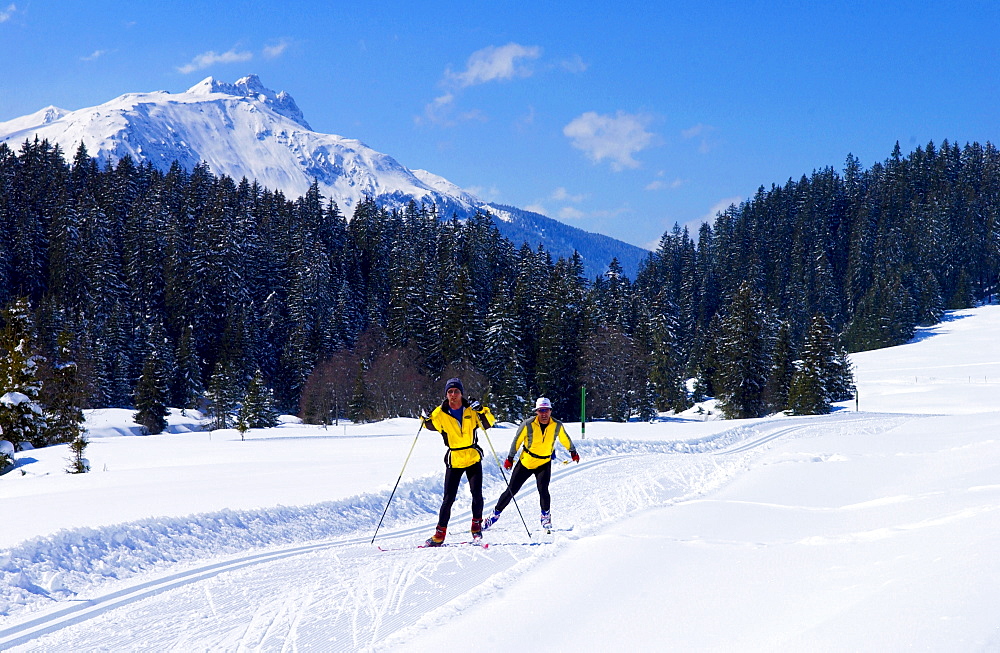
{"points": [[518, 476], [452, 477]]}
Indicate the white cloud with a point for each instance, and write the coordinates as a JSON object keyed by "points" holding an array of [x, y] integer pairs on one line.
{"points": [[494, 63], [491, 194], [575, 64], [660, 182], [694, 226], [8, 13], [617, 137], [96, 54], [562, 195], [211, 58], [526, 120], [700, 131], [536, 208], [697, 130], [276, 50], [719, 207], [570, 213], [441, 111]]}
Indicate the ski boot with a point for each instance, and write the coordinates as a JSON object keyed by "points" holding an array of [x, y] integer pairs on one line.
{"points": [[492, 519], [546, 520], [477, 530], [438, 538]]}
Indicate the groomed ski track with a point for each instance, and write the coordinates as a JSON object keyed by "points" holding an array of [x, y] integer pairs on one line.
{"points": [[345, 594]]}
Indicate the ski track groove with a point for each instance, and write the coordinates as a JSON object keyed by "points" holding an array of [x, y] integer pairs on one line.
{"points": [[362, 603]]}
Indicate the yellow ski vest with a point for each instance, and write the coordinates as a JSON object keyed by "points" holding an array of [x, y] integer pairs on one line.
{"points": [[461, 440], [537, 446]]}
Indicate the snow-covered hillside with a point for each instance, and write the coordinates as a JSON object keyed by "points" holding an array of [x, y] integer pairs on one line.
{"points": [[240, 129], [244, 129], [871, 530]]}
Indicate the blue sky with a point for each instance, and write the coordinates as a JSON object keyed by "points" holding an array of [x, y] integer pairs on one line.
{"points": [[617, 120]]}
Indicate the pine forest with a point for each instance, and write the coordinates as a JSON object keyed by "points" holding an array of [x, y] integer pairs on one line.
{"points": [[125, 286]]}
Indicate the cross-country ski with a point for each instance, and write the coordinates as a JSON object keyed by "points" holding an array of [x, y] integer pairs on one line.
{"points": [[481, 545]]}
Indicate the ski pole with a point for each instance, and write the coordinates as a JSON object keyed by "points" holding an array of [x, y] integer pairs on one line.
{"points": [[391, 494], [504, 474]]}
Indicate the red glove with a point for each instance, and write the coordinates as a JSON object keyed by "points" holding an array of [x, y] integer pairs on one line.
{"points": [[575, 456], [507, 464]]}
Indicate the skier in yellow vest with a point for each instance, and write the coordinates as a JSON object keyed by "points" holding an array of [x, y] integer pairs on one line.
{"points": [[536, 438], [456, 420]]}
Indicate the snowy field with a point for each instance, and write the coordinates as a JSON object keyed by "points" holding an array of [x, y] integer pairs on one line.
{"points": [[857, 531]]}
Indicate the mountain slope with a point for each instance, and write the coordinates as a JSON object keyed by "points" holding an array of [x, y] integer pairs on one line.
{"points": [[245, 129]]}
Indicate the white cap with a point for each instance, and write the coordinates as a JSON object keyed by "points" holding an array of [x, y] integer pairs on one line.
{"points": [[543, 402]]}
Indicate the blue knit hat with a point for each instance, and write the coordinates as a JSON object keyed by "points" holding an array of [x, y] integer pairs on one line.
{"points": [[454, 383]]}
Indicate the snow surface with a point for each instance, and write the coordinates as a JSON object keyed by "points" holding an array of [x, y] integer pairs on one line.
{"points": [[874, 530]]}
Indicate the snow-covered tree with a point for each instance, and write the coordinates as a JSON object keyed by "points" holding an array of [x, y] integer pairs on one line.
{"points": [[64, 396], [78, 463], [257, 409], [151, 397], [744, 350], [502, 362], [809, 393], [841, 377], [224, 392], [21, 416], [562, 332], [188, 388], [6, 455]]}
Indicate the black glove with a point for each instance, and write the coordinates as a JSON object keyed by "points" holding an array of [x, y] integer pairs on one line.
{"points": [[476, 406]]}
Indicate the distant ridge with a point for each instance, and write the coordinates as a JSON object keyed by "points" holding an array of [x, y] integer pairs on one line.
{"points": [[245, 129]]}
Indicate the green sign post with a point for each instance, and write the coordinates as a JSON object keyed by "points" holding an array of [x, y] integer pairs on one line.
{"points": [[583, 412]]}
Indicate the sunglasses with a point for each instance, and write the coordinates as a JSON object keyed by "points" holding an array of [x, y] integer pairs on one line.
{"points": [[543, 410]]}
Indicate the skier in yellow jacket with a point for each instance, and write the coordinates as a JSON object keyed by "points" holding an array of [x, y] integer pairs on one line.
{"points": [[456, 420], [536, 438]]}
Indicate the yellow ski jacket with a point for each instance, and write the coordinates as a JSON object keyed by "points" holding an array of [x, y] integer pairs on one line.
{"points": [[461, 439], [537, 446]]}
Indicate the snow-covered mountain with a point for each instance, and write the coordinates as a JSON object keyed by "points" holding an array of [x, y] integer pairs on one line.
{"points": [[246, 129]]}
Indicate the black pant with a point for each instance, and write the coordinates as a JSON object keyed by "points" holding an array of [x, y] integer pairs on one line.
{"points": [[519, 475], [452, 477]]}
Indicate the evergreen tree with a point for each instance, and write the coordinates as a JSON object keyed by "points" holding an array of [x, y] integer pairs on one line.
{"points": [[21, 415], [151, 397], [666, 361], [6, 456], [782, 369], [840, 379], [64, 396], [257, 409], [745, 346], [561, 336], [188, 389], [78, 463], [225, 389], [612, 295], [459, 325], [502, 360], [809, 393]]}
